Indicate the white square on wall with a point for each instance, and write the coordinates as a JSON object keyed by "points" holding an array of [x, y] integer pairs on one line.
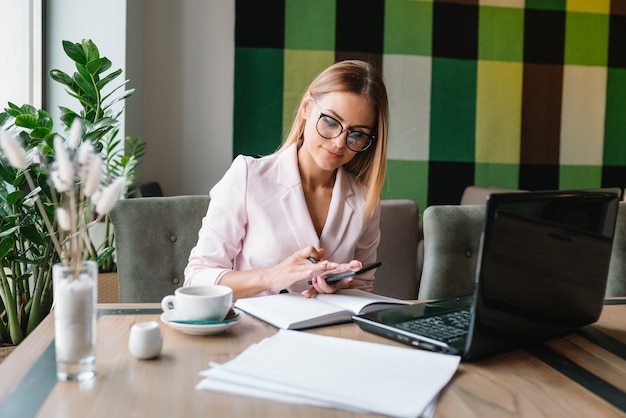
{"points": [[408, 80]]}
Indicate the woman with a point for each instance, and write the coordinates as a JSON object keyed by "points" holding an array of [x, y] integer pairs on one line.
{"points": [[311, 208]]}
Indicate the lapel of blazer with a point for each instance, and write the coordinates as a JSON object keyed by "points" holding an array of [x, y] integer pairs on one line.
{"points": [[340, 213], [296, 212]]}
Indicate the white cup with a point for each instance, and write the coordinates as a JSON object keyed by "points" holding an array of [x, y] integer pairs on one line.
{"points": [[145, 340], [199, 302]]}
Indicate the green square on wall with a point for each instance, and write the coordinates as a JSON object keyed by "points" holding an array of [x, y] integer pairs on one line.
{"points": [[310, 24], [586, 39], [301, 67], [505, 176], [258, 101], [580, 177], [407, 180], [453, 110], [501, 34], [408, 27]]}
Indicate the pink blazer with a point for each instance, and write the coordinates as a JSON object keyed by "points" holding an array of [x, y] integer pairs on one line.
{"points": [[258, 216]]}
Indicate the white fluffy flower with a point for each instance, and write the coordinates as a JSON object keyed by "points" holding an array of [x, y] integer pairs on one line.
{"points": [[109, 196], [12, 149], [84, 155], [63, 175], [63, 219], [76, 133], [94, 175]]}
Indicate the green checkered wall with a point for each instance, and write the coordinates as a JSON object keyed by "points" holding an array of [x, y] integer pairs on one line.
{"points": [[510, 93]]}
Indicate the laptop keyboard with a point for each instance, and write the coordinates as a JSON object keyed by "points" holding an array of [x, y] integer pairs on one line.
{"points": [[448, 328]]}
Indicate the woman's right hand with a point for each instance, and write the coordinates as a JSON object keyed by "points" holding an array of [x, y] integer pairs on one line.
{"points": [[298, 266]]}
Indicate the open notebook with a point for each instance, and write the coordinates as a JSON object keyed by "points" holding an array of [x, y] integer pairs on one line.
{"points": [[294, 311], [542, 272]]}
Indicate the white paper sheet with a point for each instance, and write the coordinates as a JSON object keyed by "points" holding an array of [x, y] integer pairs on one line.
{"points": [[299, 367]]}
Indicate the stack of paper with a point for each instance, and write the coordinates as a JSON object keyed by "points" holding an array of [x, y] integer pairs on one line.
{"points": [[298, 367]]}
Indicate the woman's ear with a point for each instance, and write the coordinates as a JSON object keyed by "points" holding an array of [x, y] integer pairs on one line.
{"points": [[307, 105]]}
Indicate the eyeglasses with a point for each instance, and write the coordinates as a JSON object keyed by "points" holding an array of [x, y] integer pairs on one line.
{"points": [[330, 128]]}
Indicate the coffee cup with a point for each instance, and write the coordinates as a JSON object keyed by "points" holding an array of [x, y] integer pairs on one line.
{"points": [[199, 302]]}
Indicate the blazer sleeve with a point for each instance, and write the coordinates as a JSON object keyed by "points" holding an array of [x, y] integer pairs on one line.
{"points": [[223, 228]]}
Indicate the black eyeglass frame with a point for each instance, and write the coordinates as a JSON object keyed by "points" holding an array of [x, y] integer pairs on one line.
{"points": [[370, 138]]}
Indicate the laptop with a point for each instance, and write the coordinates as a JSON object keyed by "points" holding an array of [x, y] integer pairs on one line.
{"points": [[541, 273]]}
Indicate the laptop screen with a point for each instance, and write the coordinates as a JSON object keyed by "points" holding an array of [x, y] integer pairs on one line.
{"points": [[543, 265]]}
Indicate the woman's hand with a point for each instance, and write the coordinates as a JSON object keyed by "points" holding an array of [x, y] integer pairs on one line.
{"points": [[299, 266], [319, 284]]}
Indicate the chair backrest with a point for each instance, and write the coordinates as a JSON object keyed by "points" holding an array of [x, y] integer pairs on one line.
{"points": [[153, 239], [451, 246], [616, 285], [476, 195], [399, 236]]}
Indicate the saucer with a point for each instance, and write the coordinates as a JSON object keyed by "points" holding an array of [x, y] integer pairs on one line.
{"points": [[209, 329]]}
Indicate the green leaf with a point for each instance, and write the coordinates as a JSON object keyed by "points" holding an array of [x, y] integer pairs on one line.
{"points": [[106, 80], [103, 123], [85, 81], [104, 255], [9, 231], [26, 121], [33, 235], [109, 94], [4, 118], [14, 197], [97, 135], [40, 133], [88, 104], [98, 66], [61, 77], [123, 96], [68, 116], [82, 69], [29, 109], [91, 50], [6, 246], [75, 52], [44, 119]]}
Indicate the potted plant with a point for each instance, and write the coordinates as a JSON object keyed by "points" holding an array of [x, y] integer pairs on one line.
{"points": [[29, 224]]}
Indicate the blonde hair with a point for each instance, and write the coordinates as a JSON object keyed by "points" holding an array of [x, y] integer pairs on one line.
{"points": [[361, 78]]}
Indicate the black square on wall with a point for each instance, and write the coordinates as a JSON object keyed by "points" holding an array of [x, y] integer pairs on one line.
{"points": [[617, 44], [447, 181], [614, 176], [359, 26], [544, 36], [538, 177], [455, 31], [260, 24]]}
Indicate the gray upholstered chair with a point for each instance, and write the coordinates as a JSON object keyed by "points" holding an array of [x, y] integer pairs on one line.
{"points": [[398, 250], [451, 244], [617, 269], [153, 239]]}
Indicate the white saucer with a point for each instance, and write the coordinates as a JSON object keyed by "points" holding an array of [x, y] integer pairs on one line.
{"points": [[169, 316]]}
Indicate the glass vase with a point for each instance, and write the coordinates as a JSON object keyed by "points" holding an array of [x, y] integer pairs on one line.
{"points": [[75, 298]]}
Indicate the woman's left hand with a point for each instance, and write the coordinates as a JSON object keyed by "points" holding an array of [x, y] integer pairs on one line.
{"points": [[319, 284]]}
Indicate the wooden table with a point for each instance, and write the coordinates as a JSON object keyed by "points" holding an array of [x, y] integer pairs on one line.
{"points": [[517, 384]]}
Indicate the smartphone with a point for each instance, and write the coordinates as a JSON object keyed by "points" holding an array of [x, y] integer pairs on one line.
{"points": [[336, 277]]}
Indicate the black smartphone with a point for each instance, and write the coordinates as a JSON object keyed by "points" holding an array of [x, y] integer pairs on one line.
{"points": [[336, 277]]}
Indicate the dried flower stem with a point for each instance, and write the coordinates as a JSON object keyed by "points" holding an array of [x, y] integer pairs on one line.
{"points": [[44, 215]]}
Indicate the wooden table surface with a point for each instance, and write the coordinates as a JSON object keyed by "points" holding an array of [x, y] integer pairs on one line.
{"points": [[567, 377]]}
